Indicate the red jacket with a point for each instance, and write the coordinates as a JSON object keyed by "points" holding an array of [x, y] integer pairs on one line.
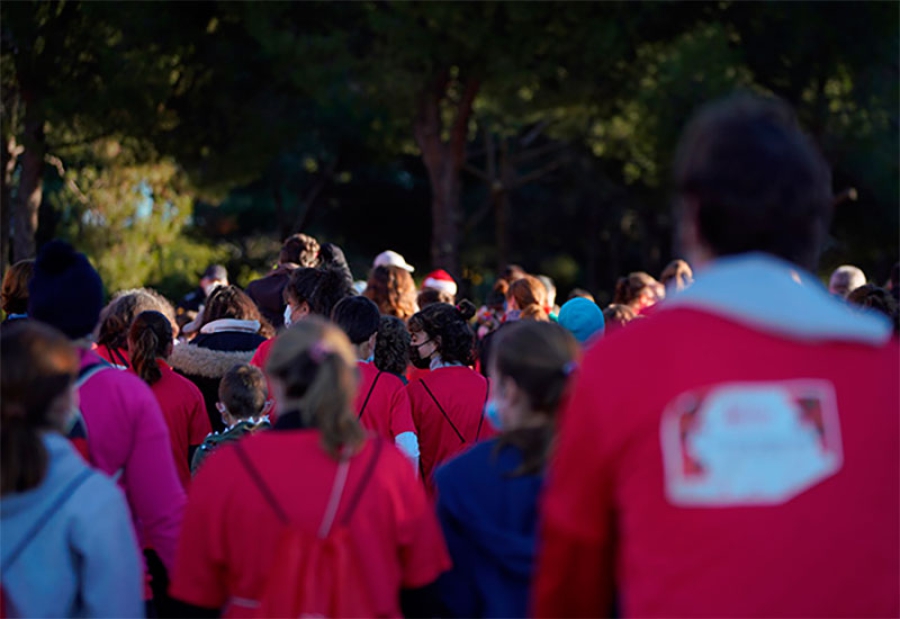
{"points": [[708, 466]]}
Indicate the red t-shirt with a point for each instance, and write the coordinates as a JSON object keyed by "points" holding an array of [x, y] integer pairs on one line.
{"points": [[387, 408], [184, 409], [115, 356], [462, 394], [230, 532], [734, 474]]}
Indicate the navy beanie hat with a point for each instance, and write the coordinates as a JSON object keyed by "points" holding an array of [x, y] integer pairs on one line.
{"points": [[65, 291], [583, 318]]}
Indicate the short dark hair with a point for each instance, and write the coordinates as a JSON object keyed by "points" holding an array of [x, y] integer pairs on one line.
{"points": [[243, 391], [429, 296], [451, 325], [358, 317], [300, 249], [757, 182]]}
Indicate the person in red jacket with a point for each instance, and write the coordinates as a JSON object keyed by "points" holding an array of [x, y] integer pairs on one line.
{"points": [[236, 516], [759, 475], [382, 404], [150, 344], [448, 404]]}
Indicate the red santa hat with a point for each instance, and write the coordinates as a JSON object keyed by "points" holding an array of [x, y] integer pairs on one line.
{"points": [[440, 280]]}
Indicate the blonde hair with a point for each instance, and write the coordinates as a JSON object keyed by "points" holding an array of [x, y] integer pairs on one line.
{"points": [[316, 365]]}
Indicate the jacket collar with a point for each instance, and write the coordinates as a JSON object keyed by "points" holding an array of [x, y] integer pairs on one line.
{"points": [[772, 295], [231, 324]]}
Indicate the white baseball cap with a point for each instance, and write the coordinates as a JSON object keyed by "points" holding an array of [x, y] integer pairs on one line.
{"points": [[392, 259]]}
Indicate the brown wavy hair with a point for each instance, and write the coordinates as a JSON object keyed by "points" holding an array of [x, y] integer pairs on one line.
{"points": [[393, 291], [531, 297], [315, 363], [14, 293]]}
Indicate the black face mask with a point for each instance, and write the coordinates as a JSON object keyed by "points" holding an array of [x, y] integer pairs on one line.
{"points": [[417, 360]]}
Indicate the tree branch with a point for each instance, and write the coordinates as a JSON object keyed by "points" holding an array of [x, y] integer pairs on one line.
{"points": [[528, 155], [533, 176], [477, 173], [57, 163]]}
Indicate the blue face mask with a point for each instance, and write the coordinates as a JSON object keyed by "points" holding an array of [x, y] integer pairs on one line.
{"points": [[492, 413]]}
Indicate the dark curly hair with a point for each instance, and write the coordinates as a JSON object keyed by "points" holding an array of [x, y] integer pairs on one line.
{"points": [[321, 289], [449, 326], [392, 346]]}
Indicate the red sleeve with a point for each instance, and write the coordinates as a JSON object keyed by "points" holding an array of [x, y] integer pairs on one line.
{"points": [[259, 360], [401, 412], [198, 424], [199, 577], [574, 575], [423, 553]]}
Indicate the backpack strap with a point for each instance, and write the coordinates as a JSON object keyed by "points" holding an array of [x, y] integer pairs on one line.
{"points": [[369, 395], [115, 354], [258, 480], [487, 394], [443, 412], [44, 518], [363, 481]]}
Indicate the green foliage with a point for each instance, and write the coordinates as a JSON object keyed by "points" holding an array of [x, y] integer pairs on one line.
{"points": [[131, 221]]}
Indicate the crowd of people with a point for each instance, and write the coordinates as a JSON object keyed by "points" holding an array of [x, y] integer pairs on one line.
{"points": [[721, 441]]}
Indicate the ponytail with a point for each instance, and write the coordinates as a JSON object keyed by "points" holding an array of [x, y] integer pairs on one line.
{"points": [[149, 339], [37, 366], [316, 365]]}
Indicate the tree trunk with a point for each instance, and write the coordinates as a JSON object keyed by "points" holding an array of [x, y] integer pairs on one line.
{"points": [[7, 166], [444, 162], [30, 186], [503, 210]]}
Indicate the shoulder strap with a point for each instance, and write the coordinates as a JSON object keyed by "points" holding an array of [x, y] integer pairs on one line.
{"points": [[443, 412], [369, 395], [487, 394], [258, 480], [44, 518], [363, 481]]}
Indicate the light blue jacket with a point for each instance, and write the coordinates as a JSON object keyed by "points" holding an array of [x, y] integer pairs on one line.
{"points": [[84, 562]]}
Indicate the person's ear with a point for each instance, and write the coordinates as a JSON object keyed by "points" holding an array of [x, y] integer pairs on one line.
{"points": [[304, 310], [438, 344]]}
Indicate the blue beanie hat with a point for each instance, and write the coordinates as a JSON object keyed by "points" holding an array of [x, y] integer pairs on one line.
{"points": [[65, 291], [583, 318]]}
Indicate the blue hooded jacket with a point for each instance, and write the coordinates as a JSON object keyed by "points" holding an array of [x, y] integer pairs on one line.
{"points": [[490, 525]]}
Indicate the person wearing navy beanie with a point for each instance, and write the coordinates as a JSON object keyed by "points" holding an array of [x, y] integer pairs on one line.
{"points": [[65, 291]]}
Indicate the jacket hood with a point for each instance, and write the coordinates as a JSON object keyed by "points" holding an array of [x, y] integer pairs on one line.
{"points": [[199, 361]]}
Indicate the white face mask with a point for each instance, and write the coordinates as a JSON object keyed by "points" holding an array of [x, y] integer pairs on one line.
{"points": [[287, 315]]}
